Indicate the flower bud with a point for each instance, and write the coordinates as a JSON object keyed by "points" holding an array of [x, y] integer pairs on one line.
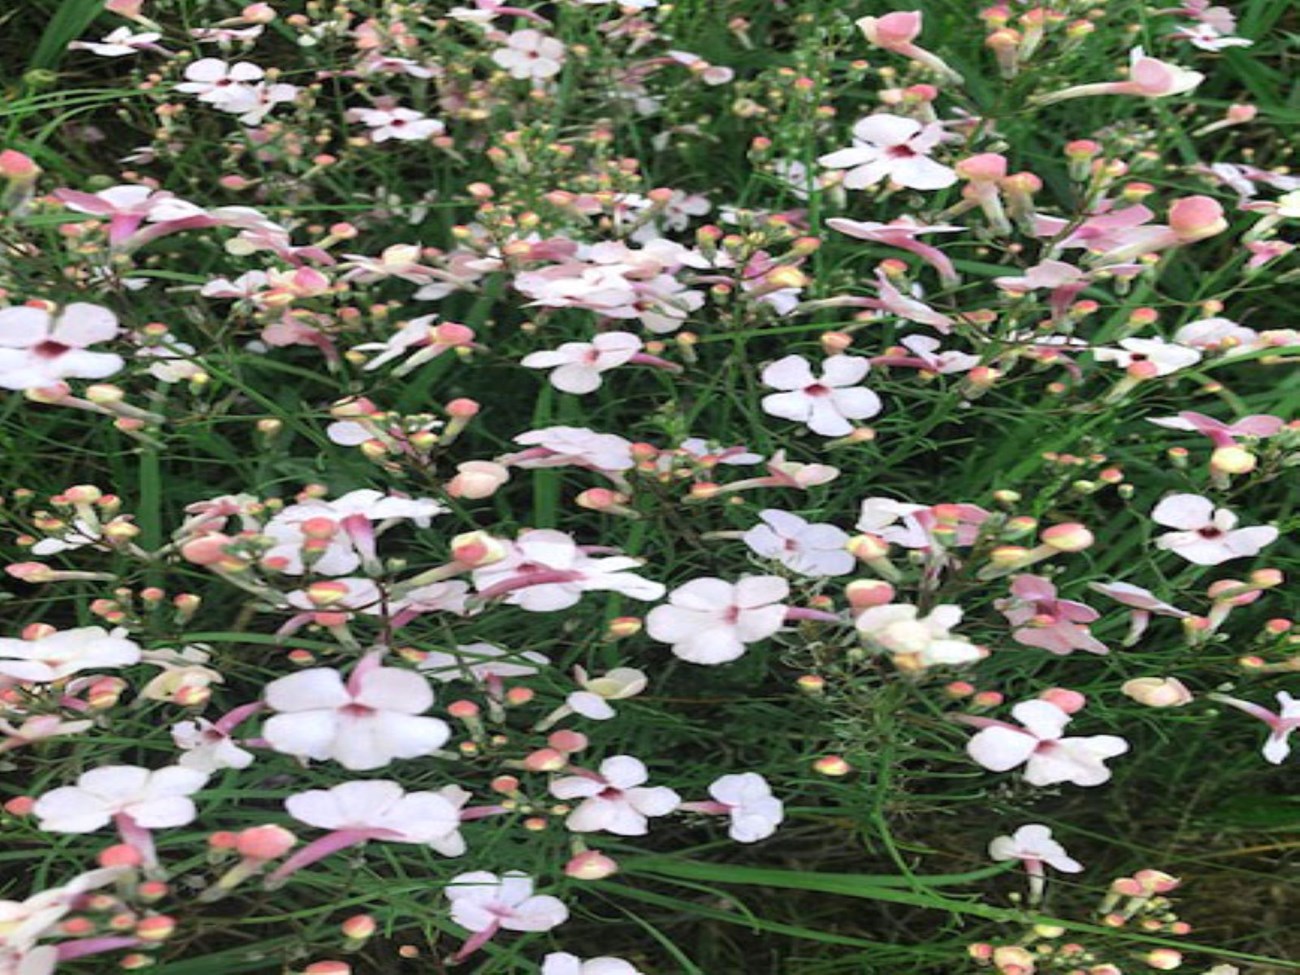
{"points": [[1157, 692]]}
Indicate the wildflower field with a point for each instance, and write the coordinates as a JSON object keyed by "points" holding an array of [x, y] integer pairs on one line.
{"points": [[714, 487]]}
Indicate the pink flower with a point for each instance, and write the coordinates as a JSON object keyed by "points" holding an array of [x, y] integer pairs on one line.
{"points": [[578, 365], [808, 549], [1044, 621], [545, 570], [825, 404], [1207, 535], [709, 621], [1147, 77], [615, 801], [61, 654], [1033, 846], [577, 446], [1048, 757], [363, 724], [1143, 603], [1281, 724], [896, 31], [1222, 434], [917, 641], [225, 86], [38, 349], [902, 233], [530, 54], [483, 903], [895, 148]]}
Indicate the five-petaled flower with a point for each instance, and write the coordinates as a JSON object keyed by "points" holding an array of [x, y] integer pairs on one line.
{"points": [[483, 903], [710, 621], [895, 148], [615, 800], [1049, 757], [39, 349], [1207, 535], [826, 403]]}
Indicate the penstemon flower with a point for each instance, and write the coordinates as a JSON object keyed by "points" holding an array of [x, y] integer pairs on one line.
{"points": [[38, 348], [709, 621], [484, 903], [826, 403], [1049, 757], [1207, 535], [894, 148], [615, 800]]}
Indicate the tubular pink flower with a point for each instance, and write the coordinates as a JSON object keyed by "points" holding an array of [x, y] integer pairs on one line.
{"points": [[1148, 78]]}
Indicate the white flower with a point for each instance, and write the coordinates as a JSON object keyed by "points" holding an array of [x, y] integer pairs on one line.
{"points": [[119, 43], [404, 124], [825, 404], [229, 87], [1167, 357], [578, 365], [755, 813], [207, 748], [363, 724], [1034, 843], [66, 652], [1207, 535], [808, 549], [1048, 757], [615, 800], [563, 963], [481, 662], [151, 799], [895, 148], [530, 54], [616, 685], [545, 570], [709, 621], [921, 641], [38, 349], [382, 809], [482, 901]]}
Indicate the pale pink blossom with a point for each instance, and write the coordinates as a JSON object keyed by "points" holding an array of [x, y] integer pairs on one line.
{"points": [[747, 799], [917, 641], [903, 233], [483, 903], [365, 723], [578, 365], [709, 621], [207, 746], [1208, 38], [421, 337], [809, 549], [403, 124], [896, 32], [895, 148], [63, 653], [23, 923], [1034, 847], [571, 446], [614, 685], [530, 54], [229, 87], [1280, 723], [614, 801], [545, 570], [1166, 357], [40, 349], [120, 42], [1148, 77], [136, 800], [1045, 621], [384, 811], [1143, 604], [826, 403], [561, 962], [1049, 757], [1260, 425], [1207, 535]]}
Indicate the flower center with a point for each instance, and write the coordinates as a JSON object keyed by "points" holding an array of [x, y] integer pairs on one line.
{"points": [[901, 152], [817, 389], [49, 349], [1210, 532]]}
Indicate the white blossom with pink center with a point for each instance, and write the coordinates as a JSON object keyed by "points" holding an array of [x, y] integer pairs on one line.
{"points": [[1166, 357], [365, 723], [38, 349], [384, 811], [63, 653], [349, 519], [563, 963], [578, 365], [747, 799], [1034, 847], [403, 124], [814, 550], [530, 54], [826, 403], [483, 903], [545, 570], [615, 800], [1049, 757], [153, 799], [895, 148], [915, 640], [1207, 535], [577, 446], [710, 621]]}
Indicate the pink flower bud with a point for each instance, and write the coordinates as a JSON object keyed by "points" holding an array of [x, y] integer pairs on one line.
{"points": [[477, 479], [567, 741], [1196, 217], [591, 865], [1067, 700], [17, 166], [1069, 537], [1157, 692], [892, 31], [864, 593], [264, 842]]}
